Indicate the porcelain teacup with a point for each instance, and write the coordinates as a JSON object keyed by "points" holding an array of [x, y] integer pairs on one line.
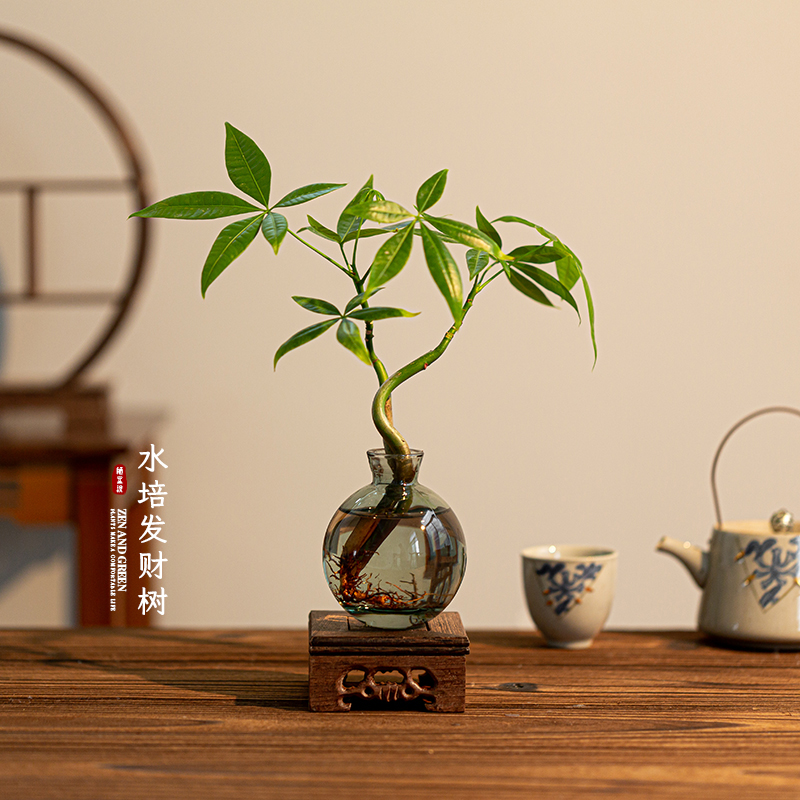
{"points": [[569, 589]]}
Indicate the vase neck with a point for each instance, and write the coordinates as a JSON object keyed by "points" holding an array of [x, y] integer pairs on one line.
{"points": [[394, 468]]}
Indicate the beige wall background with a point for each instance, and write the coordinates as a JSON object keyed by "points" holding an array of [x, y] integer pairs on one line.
{"points": [[659, 139]]}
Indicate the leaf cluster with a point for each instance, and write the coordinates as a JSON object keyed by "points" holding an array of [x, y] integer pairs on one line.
{"points": [[347, 333], [370, 214], [249, 172]]}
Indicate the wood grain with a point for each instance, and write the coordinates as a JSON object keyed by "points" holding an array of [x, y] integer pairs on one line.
{"points": [[112, 713], [341, 647], [337, 631]]}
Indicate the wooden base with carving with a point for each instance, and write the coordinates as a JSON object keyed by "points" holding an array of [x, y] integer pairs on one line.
{"points": [[353, 666]]}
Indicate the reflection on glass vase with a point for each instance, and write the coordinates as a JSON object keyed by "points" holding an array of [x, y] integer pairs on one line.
{"points": [[394, 553]]}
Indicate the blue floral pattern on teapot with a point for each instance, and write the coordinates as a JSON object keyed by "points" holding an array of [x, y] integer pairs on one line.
{"points": [[774, 569]]}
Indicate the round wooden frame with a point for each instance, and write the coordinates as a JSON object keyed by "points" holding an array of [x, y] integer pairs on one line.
{"points": [[134, 181]]}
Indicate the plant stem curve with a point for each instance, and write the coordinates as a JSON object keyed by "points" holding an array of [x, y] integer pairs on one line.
{"points": [[393, 439]]}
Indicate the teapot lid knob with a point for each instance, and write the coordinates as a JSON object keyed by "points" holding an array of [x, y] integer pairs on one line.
{"points": [[782, 521]]}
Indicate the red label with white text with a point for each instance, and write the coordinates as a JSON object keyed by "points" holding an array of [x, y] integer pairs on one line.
{"points": [[120, 481]]}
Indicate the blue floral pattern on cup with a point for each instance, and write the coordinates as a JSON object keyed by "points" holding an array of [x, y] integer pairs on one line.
{"points": [[564, 589], [774, 569]]}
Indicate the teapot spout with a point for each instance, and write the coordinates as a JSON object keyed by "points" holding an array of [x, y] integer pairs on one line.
{"points": [[691, 556]]}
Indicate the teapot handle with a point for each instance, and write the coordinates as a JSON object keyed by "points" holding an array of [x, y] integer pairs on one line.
{"points": [[760, 412]]}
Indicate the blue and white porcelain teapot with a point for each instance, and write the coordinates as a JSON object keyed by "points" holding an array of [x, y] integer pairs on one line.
{"points": [[750, 576]]}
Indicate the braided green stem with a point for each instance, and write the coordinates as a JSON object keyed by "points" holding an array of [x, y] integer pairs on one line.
{"points": [[370, 533], [393, 439]]}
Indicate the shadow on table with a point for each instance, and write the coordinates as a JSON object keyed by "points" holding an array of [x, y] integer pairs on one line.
{"points": [[266, 688], [257, 687], [225, 664]]}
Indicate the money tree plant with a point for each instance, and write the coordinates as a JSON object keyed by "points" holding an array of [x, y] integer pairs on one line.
{"points": [[366, 215]]}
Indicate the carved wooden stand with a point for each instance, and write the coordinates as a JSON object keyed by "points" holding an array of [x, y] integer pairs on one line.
{"points": [[351, 665]]}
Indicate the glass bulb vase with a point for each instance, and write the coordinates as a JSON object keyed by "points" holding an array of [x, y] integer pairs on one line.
{"points": [[394, 552]]}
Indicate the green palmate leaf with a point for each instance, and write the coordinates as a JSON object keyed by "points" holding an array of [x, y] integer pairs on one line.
{"points": [[383, 211], [575, 265], [379, 312], [301, 338], [306, 193], [590, 306], [568, 271], [365, 233], [537, 253], [231, 243], [248, 167], [464, 234], [477, 261], [198, 205], [431, 190], [274, 228], [348, 223], [523, 221], [568, 267], [527, 288], [320, 229], [444, 271], [547, 235], [317, 306], [548, 282], [442, 237], [486, 227], [347, 333], [390, 259], [511, 218], [356, 302]]}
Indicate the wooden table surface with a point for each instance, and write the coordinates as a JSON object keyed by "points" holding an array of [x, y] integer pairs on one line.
{"points": [[113, 713]]}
